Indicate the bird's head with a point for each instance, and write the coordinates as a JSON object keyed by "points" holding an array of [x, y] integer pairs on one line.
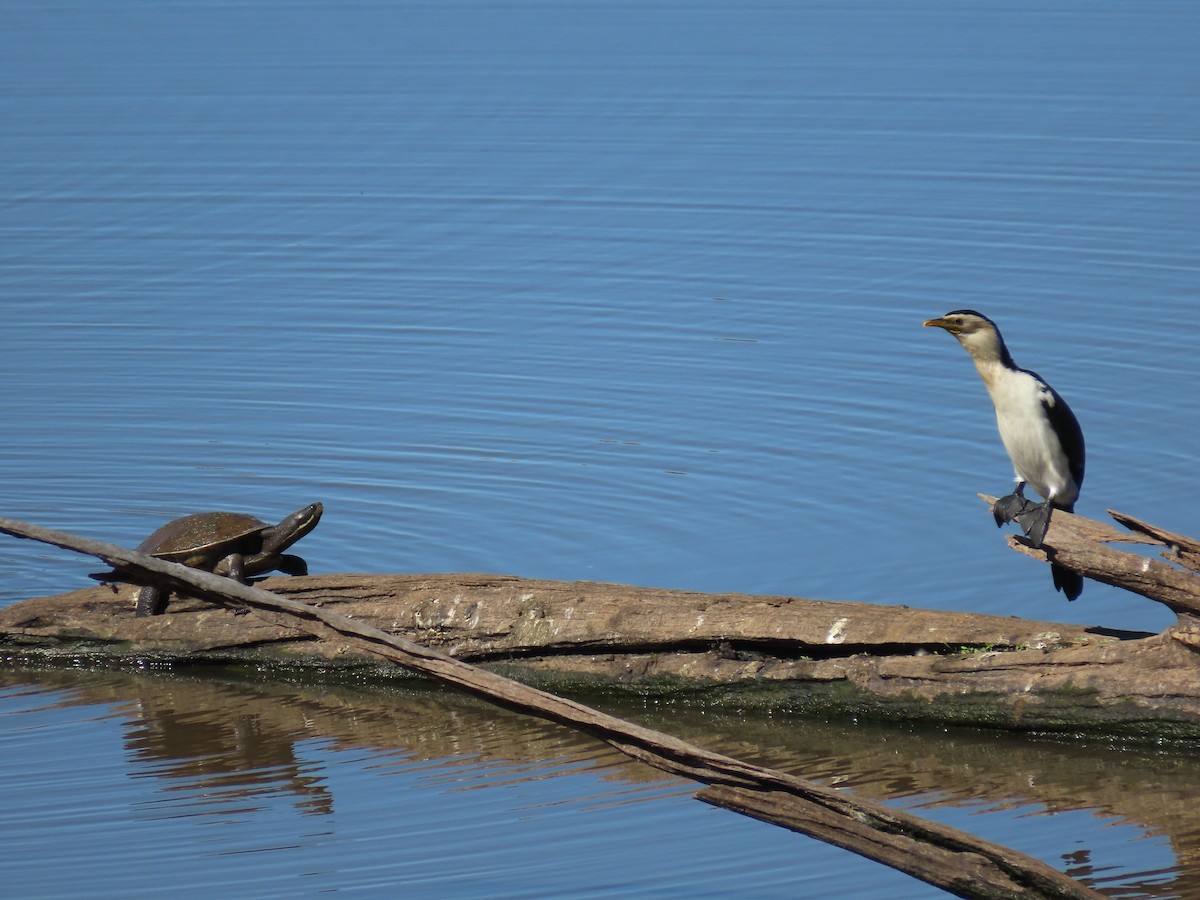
{"points": [[975, 331]]}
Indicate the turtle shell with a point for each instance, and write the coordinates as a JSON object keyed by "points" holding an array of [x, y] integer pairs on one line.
{"points": [[201, 537]]}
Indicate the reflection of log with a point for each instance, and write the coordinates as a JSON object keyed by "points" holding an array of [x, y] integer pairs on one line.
{"points": [[953, 860], [183, 727], [178, 727]]}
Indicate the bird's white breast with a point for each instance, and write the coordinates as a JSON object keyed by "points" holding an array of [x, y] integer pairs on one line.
{"points": [[1037, 454]]}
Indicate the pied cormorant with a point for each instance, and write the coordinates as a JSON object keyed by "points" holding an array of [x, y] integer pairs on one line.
{"points": [[1039, 431]]}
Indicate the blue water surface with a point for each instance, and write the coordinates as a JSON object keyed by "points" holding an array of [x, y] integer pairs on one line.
{"points": [[590, 291]]}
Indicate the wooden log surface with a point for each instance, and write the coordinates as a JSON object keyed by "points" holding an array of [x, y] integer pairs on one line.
{"points": [[751, 651], [948, 858], [476, 616]]}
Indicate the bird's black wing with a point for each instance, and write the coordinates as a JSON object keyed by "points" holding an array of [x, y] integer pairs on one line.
{"points": [[1066, 429]]}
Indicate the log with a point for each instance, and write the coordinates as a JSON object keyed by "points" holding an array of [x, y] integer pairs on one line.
{"points": [[953, 860], [779, 653], [1083, 545], [1181, 547], [483, 617]]}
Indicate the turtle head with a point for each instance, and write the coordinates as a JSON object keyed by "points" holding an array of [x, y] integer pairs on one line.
{"points": [[279, 537]]}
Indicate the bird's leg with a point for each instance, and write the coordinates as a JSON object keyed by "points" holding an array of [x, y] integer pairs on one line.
{"points": [[1035, 519], [1011, 507]]}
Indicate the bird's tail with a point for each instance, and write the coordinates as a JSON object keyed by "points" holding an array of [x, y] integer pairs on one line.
{"points": [[1066, 580]]}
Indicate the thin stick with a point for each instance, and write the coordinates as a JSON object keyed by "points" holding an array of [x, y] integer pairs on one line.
{"points": [[953, 860]]}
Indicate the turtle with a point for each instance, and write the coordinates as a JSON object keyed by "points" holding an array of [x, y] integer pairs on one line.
{"points": [[237, 545]]}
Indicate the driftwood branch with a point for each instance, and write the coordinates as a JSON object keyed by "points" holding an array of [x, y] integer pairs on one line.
{"points": [[1183, 549], [1084, 545], [945, 857]]}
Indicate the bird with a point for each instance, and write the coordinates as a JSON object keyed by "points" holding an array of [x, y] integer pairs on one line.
{"points": [[1040, 433]]}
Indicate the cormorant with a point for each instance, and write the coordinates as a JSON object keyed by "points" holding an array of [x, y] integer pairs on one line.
{"points": [[1039, 431]]}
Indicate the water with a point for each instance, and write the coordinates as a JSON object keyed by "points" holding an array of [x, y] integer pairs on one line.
{"points": [[277, 789], [582, 292]]}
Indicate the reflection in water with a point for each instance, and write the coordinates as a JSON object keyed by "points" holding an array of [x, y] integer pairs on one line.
{"points": [[932, 770], [225, 750], [221, 746], [928, 767]]}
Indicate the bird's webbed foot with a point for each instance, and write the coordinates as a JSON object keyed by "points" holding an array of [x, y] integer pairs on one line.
{"points": [[1035, 519], [1011, 507]]}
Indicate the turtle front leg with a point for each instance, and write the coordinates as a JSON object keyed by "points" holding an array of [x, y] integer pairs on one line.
{"points": [[233, 566], [290, 564], [151, 601]]}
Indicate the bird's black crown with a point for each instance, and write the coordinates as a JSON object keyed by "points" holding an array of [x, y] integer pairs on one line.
{"points": [[968, 312]]}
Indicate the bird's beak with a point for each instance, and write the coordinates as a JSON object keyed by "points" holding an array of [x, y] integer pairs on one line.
{"points": [[942, 323]]}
